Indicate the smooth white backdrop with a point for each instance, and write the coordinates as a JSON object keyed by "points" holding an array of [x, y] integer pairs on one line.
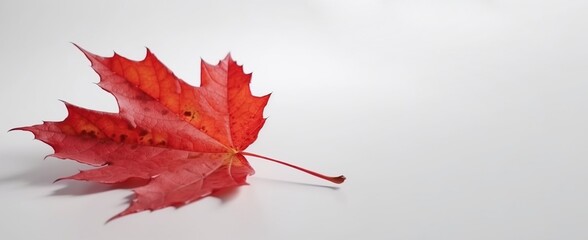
{"points": [[451, 119]]}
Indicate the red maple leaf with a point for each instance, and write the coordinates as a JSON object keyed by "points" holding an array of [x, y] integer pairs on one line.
{"points": [[186, 142]]}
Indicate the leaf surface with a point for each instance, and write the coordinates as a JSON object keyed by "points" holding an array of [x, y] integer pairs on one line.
{"points": [[186, 142]]}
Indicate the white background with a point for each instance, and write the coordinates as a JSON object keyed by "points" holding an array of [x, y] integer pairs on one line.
{"points": [[450, 119]]}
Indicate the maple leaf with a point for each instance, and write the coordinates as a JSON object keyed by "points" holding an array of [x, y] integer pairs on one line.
{"points": [[186, 142]]}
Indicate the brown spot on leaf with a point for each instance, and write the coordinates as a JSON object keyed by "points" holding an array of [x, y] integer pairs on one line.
{"points": [[143, 132], [123, 137], [92, 134]]}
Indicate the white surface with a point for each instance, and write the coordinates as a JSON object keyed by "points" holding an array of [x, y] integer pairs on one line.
{"points": [[451, 119]]}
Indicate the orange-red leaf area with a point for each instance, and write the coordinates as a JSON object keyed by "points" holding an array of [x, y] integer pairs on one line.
{"points": [[183, 142], [186, 141]]}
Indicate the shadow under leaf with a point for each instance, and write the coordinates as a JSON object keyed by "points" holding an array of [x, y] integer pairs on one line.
{"points": [[76, 188], [294, 183]]}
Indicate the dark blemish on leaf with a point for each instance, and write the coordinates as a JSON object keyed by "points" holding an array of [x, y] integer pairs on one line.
{"points": [[123, 137], [90, 134], [134, 146], [150, 141], [164, 112], [130, 127], [162, 143], [143, 132], [113, 135], [187, 113]]}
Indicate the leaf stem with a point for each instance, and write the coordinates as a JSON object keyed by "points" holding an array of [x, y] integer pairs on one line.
{"points": [[337, 180]]}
